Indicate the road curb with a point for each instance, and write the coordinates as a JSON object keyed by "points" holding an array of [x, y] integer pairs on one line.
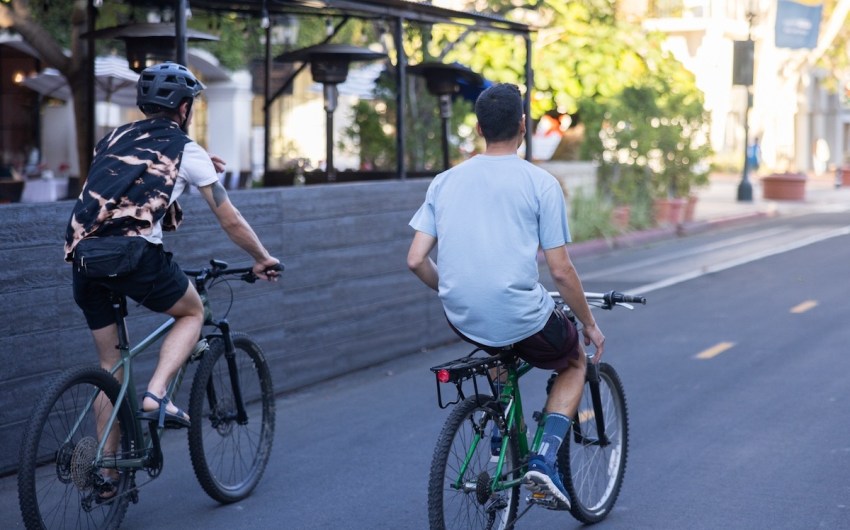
{"points": [[653, 235]]}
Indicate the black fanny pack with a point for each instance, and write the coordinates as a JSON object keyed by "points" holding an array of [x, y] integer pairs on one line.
{"points": [[109, 257]]}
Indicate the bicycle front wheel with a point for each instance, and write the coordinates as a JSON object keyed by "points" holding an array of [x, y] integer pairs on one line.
{"points": [[59, 482], [229, 453], [594, 466], [461, 492]]}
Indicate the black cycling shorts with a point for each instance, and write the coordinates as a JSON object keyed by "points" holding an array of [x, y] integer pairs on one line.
{"points": [[551, 348], [158, 283]]}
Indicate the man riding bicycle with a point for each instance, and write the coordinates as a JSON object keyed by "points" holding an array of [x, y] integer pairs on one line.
{"points": [[114, 236], [488, 216]]}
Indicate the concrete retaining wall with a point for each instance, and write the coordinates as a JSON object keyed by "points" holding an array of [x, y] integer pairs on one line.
{"points": [[346, 300]]}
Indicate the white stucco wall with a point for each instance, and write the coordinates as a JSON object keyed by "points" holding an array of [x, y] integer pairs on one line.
{"points": [[229, 120]]}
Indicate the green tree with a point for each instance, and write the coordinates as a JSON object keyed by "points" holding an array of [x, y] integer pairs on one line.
{"points": [[54, 30]]}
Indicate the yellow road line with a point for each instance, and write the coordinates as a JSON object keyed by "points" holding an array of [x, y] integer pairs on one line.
{"points": [[714, 351], [805, 306]]}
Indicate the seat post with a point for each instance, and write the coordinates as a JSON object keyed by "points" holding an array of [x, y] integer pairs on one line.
{"points": [[119, 309]]}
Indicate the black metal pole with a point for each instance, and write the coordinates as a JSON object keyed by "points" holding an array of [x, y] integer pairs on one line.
{"points": [[745, 188], [529, 84], [90, 89], [181, 55], [331, 95], [401, 87], [445, 117], [267, 89]]}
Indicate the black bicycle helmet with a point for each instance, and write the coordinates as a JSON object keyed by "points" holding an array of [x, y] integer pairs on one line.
{"points": [[166, 85]]}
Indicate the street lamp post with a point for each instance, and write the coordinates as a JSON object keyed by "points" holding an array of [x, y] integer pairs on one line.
{"points": [[745, 188], [743, 67]]}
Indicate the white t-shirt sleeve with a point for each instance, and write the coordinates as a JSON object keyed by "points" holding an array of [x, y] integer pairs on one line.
{"points": [[554, 230], [196, 168]]}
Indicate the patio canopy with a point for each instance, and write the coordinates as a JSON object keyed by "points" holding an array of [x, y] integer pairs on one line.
{"points": [[395, 12], [114, 82]]}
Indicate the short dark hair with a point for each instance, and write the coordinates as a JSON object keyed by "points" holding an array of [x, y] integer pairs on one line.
{"points": [[499, 111]]}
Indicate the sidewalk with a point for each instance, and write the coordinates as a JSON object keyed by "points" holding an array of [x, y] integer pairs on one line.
{"points": [[718, 206]]}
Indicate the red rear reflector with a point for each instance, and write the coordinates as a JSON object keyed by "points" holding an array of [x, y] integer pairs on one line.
{"points": [[443, 376]]}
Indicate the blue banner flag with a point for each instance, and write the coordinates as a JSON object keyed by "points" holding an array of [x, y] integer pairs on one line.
{"points": [[798, 24]]}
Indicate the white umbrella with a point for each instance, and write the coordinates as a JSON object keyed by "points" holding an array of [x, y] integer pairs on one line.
{"points": [[113, 79]]}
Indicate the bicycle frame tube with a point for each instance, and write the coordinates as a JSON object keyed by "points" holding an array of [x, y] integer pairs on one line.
{"points": [[512, 412], [127, 382]]}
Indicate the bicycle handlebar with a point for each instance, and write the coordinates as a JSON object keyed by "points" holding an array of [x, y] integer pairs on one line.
{"points": [[220, 268], [615, 297], [607, 300]]}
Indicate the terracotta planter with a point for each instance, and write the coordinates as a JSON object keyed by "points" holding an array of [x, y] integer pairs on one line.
{"points": [[669, 211], [620, 217], [784, 187], [843, 176], [690, 208]]}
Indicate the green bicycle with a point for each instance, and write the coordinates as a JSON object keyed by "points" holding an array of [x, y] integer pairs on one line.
{"points": [[61, 477], [482, 452]]}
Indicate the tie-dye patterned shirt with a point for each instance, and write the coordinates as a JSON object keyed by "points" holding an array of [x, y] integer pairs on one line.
{"points": [[130, 183]]}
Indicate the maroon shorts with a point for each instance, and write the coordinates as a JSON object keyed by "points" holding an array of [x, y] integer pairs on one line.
{"points": [[551, 348]]}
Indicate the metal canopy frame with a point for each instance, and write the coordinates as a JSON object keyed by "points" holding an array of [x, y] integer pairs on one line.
{"points": [[396, 11]]}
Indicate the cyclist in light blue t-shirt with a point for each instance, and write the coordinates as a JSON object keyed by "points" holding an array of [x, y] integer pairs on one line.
{"points": [[487, 217]]}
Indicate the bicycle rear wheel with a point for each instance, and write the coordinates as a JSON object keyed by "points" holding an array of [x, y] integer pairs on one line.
{"points": [[230, 454], [460, 492], [594, 468], [58, 481]]}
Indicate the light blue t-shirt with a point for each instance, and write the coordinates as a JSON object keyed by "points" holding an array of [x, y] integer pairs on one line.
{"points": [[490, 215]]}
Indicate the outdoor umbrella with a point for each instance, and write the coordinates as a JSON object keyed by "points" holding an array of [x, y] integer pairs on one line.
{"points": [[113, 79]]}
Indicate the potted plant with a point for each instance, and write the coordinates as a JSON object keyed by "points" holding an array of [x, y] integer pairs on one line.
{"points": [[655, 133], [785, 184]]}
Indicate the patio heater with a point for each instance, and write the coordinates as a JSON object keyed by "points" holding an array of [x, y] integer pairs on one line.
{"points": [[149, 42], [444, 81], [329, 66]]}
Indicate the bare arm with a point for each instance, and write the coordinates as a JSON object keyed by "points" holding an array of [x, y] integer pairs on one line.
{"points": [[238, 229], [419, 259], [569, 286]]}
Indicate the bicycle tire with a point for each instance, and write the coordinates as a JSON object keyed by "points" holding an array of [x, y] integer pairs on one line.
{"points": [[56, 477], [230, 458], [473, 505], [593, 475]]}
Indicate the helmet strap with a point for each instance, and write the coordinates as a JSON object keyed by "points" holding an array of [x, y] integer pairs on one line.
{"points": [[184, 126]]}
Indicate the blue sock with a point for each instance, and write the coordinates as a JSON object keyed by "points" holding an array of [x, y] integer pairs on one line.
{"points": [[554, 431]]}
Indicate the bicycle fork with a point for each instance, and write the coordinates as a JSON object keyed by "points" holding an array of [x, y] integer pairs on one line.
{"points": [[592, 379], [241, 415]]}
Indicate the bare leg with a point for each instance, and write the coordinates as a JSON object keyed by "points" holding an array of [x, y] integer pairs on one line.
{"points": [[567, 388], [106, 342], [188, 313]]}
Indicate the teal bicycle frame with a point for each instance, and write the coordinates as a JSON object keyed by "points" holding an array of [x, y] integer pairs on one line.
{"points": [[140, 456]]}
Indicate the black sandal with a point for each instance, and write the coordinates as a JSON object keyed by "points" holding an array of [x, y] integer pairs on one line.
{"points": [[168, 420]]}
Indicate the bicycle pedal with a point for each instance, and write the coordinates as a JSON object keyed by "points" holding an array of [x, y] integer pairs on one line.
{"points": [[546, 500]]}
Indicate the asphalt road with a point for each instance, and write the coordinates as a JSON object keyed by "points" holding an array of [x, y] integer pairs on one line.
{"points": [[736, 379]]}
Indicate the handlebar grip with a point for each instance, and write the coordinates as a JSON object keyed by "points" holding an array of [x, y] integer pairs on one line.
{"points": [[617, 298]]}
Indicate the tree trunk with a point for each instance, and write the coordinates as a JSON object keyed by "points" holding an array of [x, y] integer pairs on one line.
{"points": [[17, 15]]}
